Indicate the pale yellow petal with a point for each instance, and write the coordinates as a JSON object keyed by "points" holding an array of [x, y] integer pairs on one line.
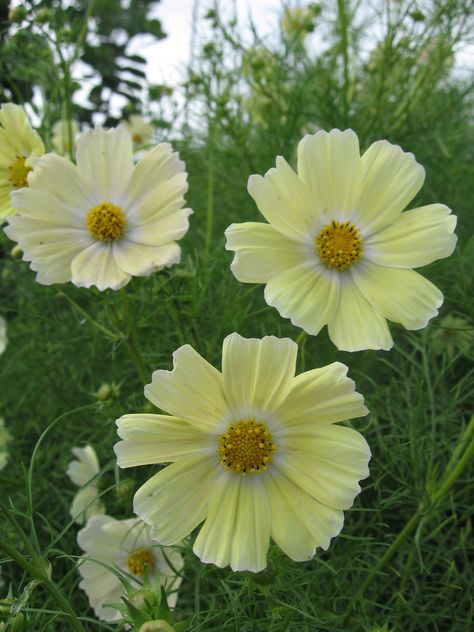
{"points": [[155, 439], [162, 228], [327, 465], [417, 238], [193, 391], [357, 324], [307, 294], [261, 252], [140, 260], [105, 163], [257, 373], [320, 396], [96, 265], [237, 528], [392, 178], [401, 295], [300, 523], [174, 501], [331, 167]]}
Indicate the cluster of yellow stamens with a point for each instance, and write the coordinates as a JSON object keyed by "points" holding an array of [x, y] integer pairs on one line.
{"points": [[19, 172], [247, 447], [137, 137], [339, 245], [106, 221], [137, 561]]}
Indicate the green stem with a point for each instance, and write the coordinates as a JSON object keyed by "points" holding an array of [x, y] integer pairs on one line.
{"points": [[132, 343], [103, 330], [210, 195], [301, 337], [343, 22], [425, 507], [50, 586]]}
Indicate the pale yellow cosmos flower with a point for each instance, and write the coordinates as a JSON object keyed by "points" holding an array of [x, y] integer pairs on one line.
{"points": [[139, 129], [103, 220], [82, 472], [255, 453], [61, 141], [337, 249], [19, 145], [5, 437], [3, 335], [124, 545]]}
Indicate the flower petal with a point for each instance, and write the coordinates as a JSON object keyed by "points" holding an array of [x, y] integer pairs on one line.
{"points": [[415, 239], [299, 522], [320, 396], [392, 178], [401, 295], [174, 501], [261, 252], [306, 294], [330, 165], [257, 373], [357, 325], [105, 163], [237, 528], [155, 439], [140, 260], [96, 265], [326, 464], [193, 391], [165, 226]]}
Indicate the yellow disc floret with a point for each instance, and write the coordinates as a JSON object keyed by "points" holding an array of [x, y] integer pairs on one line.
{"points": [[247, 447], [137, 561], [19, 172], [106, 221], [339, 245]]}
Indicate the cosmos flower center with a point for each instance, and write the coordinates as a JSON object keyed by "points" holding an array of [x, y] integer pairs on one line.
{"points": [[19, 172], [339, 245], [137, 137], [106, 221], [137, 561], [246, 447]]}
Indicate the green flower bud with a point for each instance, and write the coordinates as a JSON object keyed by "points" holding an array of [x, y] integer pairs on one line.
{"points": [[160, 625]]}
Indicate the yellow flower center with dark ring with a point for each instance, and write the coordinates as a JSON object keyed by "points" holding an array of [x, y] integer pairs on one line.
{"points": [[106, 221], [137, 561], [246, 447], [339, 245], [19, 172]]}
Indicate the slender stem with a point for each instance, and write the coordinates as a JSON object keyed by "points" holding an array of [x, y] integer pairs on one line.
{"points": [[301, 337], [210, 194], [103, 330], [50, 586], [343, 22], [132, 343], [424, 508]]}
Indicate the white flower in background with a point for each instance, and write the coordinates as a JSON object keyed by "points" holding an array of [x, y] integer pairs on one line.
{"points": [[86, 502], [125, 545], [255, 452], [3, 335], [60, 139], [105, 220], [5, 437], [139, 129], [453, 335], [337, 249], [20, 144]]}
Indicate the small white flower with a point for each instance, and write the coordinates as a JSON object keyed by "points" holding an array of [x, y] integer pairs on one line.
{"points": [[124, 545], [3, 335], [139, 129], [5, 437], [86, 502]]}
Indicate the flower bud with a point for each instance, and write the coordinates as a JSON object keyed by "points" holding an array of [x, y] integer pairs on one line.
{"points": [[160, 625]]}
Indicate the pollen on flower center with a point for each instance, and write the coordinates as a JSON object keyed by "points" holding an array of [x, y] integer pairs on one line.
{"points": [[137, 561], [137, 137], [106, 221], [339, 245], [246, 447], [19, 172]]}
